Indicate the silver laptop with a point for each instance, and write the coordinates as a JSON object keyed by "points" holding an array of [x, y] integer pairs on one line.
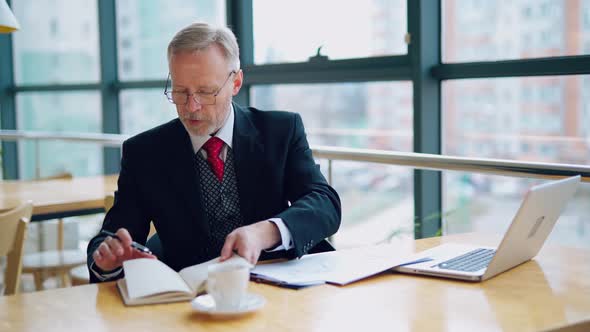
{"points": [[531, 226]]}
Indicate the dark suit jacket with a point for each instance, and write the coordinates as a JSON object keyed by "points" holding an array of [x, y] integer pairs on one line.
{"points": [[159, 182]]}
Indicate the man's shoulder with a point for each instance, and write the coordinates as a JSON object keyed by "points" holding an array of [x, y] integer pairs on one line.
{"points": [[271, 124]]}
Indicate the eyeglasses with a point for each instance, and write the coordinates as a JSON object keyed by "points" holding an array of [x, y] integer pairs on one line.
{"points": [[203, 98]]}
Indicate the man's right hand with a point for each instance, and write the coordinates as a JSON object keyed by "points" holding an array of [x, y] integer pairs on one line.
{"points": [[111, 253]]}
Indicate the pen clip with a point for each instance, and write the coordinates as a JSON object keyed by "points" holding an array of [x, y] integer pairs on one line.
{"points": [[141, 248], [134, 245]]}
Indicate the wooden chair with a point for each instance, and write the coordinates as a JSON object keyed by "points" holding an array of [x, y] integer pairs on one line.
{"points": [[13, 231], [109, 201], [79, 275], [54, 262]]}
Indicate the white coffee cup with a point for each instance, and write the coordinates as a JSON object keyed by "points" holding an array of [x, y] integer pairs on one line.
{"points": [[228, 285]]}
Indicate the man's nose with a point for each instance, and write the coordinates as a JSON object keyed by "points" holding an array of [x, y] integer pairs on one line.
{"points": [[192, 104]]}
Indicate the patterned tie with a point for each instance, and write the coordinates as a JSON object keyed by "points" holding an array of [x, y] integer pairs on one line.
{"points": [[213, 147]]}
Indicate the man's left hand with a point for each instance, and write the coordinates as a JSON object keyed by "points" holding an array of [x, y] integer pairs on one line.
{"points": [[249, 241]]}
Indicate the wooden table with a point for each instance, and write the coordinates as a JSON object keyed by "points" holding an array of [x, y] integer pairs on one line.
{"points": [[59, 198], [552, 290]]}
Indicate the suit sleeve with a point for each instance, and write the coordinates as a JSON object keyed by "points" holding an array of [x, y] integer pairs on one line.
{"points": [[128, 211], [315, 210]]}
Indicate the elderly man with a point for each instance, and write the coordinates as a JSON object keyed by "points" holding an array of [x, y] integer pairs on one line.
{"points": [[219, 179]]}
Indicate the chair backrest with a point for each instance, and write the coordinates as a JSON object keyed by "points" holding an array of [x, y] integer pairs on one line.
{"points": [[109, 201], [13, 230], [58, 176], [60, 221]]}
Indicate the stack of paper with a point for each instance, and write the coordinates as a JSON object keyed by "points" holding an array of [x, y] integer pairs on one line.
{"points": [[336, 267]]}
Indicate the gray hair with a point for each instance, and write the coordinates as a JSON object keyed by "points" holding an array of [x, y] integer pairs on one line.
{"points": [[199, 36]]}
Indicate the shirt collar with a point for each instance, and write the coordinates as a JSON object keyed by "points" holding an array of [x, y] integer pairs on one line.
{"points": [[225, 133]]}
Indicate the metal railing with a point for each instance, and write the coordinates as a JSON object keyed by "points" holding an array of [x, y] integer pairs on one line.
{"points": [[113, 140], [415, 160], [450, 163]]}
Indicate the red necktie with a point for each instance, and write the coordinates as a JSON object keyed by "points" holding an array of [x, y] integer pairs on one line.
{"points": [[213, 147]]}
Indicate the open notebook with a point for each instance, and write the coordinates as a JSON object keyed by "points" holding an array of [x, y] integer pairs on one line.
{"points": [[150, 281]]}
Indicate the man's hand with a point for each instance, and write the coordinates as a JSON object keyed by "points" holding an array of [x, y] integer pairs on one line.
{"points": [[249, 241], [111, 253]]}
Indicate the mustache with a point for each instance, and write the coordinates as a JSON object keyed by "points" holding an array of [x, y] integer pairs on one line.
{"points": [[198, 118]]}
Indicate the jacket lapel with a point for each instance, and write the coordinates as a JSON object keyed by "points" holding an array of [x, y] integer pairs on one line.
{"points": [[248, 155], [185, 177]]}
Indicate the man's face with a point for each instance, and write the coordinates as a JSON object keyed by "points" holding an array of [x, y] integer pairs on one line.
{"points": [[204, 72]]}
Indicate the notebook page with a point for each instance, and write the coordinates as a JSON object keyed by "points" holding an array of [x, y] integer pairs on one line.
{"points": [[147, 277]]}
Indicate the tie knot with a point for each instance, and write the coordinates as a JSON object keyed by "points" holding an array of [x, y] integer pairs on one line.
{"points": [[213, 146]]}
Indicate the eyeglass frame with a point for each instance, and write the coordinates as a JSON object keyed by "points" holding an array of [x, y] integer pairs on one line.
{"points": [[214, 94]]}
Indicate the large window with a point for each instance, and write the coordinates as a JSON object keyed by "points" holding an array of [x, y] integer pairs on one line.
{"points": [[59, 46], [531, 118], [144, 29], [144, 109], [361, 115], [377, 202], [59, 113], [292, 31], [364, 99], [476, 30], [539, 119]]}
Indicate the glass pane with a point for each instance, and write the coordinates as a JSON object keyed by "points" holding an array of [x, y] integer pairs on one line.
{"points": [[476, 30], [58, 46], [292, 31], [1, 154], [377, 202], [71, 112], [544, 119], [360, 115], [144, 29], [144, 109], [486, 203]]}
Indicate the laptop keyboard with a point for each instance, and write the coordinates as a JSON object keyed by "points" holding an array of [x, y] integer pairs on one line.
{"points": [[469, 262]]}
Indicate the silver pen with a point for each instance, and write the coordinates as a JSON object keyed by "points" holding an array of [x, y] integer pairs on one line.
{"points": [[134, 244]]}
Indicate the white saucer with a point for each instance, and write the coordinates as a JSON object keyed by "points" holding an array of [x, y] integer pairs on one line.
{"points": [[206, 304]]}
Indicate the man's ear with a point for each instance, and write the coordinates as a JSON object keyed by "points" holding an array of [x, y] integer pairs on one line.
{"points": [[238, 80]]}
